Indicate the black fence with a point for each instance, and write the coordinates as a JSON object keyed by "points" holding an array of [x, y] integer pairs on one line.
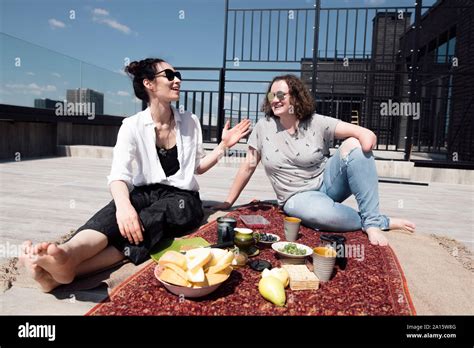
{"points": [[404, 72]]}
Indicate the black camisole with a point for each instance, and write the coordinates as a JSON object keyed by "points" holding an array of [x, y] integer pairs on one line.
{"points": [[169, 160]]}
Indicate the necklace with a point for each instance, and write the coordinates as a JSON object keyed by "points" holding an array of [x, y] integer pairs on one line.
{"points": [[164, 151]]}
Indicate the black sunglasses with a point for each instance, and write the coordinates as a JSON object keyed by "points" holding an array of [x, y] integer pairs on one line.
{"points": [[170, 74]]}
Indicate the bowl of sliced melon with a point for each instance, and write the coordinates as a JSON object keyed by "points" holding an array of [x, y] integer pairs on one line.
{"points": [[197, 273]]}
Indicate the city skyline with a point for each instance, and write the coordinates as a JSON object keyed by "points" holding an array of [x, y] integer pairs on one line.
{"points": [[53, 37]]}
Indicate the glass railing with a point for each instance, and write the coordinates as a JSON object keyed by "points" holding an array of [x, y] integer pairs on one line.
{"points": [[35, 76]]}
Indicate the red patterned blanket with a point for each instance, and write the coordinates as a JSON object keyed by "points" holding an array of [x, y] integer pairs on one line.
{"points": [[370, 285]]}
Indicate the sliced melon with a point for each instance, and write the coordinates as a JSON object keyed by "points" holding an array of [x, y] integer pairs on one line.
{"points": [[196, 275], [217, 254], [170, 276], [226, 259], [198, 258], [173, 257], [219, 277], [182, 273]]}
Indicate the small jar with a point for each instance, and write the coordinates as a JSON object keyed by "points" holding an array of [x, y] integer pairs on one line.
{"points": [[244, 239]]}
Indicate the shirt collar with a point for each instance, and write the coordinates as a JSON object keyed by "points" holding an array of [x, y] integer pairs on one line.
{"points": [[148, 120]]}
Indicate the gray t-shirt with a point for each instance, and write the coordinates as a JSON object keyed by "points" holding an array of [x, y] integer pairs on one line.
{"points": [[294, 163]]}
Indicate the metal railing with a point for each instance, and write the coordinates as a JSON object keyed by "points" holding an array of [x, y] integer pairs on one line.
{"points": [[367, 60]]}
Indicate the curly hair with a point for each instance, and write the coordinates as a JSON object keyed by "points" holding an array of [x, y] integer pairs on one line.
{"points": [[300, 98]]}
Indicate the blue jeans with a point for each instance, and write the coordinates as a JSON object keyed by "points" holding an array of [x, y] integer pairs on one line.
{"points": [[322, 209]]}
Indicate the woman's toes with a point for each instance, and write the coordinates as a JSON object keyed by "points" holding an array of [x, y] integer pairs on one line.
{"points": [[58, 253], [26, 247], [376, 237]]}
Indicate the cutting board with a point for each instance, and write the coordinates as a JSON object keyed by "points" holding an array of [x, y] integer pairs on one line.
{"points": [[301, 278]]}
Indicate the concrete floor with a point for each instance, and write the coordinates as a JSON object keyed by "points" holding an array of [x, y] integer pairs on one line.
{"points": [[44, 199]]}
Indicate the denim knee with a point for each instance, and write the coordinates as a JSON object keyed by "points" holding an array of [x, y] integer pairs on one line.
{"points": [[357, 155]]}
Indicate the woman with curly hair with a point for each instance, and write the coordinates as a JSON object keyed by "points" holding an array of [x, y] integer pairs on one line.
{"points": [[152, 180], [293, 143]]}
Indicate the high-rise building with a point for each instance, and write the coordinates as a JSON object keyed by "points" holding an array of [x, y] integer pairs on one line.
{"points": [[86, 95], [46, 103]]}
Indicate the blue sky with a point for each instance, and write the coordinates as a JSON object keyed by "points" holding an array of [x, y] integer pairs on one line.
{"points": [[72, 43]]}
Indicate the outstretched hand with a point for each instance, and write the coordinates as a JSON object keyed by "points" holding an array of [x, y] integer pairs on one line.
{"points": [[222, 206], [231, 136]]}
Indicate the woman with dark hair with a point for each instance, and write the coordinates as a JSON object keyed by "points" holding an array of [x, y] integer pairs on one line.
{"points": [[293, 143], [152, 181]]}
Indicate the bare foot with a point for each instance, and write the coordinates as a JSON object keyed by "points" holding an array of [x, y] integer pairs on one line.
{"points": [[43, 278], [55, 261], [401, 224], [376, 236]]}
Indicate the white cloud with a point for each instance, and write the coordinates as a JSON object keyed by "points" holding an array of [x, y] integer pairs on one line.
{"points": [[56, 74], [54, 23], [123, 94], [100, 12], [102, 16], [115, 25], [31, 88]]}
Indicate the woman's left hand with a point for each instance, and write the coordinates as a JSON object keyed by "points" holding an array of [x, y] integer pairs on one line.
{"points": [[230, 137]]}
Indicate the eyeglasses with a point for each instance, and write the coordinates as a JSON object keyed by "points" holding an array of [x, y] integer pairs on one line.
{"points": [[170, 74], [280, 95]]}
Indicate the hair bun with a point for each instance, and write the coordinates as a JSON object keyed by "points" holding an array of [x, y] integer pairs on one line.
{"points": [[133, 68]]}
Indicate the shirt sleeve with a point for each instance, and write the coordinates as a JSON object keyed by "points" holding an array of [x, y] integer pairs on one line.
{"points": [[200, 152], [330, 124], [123, 157], [326, 126], [254, 140]]}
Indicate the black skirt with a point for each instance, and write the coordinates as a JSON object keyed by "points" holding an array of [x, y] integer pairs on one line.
{"points": [[164, 211]]}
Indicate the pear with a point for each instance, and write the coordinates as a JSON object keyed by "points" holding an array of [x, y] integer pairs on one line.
{"points": [[279, 273], [272, 290]]}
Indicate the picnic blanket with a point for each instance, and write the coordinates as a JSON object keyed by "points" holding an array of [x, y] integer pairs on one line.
{"points": [[370, 285]]}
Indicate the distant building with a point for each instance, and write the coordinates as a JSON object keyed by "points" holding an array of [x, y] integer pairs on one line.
{"points": [[46, 103], [446, 79], [340, 90], [351, 88], [86, 95]]}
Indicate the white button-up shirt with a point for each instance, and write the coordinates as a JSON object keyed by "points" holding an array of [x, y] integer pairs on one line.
{"points": [[135, 159]]}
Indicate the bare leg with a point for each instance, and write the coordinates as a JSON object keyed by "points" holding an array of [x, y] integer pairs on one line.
{"points": [[107, 257], [369, 197], [62, 261]]}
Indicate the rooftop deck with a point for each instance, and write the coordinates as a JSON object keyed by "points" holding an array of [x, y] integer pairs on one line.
{"points": [[44, 199]]}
